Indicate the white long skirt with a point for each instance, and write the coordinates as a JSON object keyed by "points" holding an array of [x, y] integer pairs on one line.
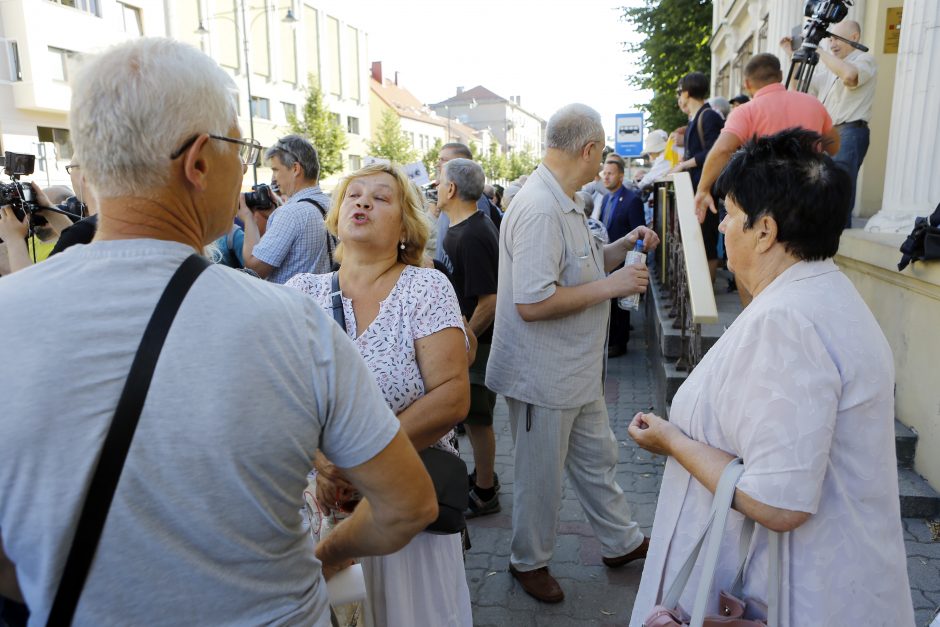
{"points": [[422, 584]]}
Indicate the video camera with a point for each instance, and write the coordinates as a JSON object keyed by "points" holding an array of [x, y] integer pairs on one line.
{"points": [[18, 195], [430, 192], [820, 15], [259, 198]]}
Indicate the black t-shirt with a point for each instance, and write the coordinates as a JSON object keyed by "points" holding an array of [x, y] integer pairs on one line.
{"points": [[473, 250], [82, 232]]}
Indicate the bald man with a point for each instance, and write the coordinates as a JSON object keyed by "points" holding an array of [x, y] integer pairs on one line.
{"points": [[845, 83]]}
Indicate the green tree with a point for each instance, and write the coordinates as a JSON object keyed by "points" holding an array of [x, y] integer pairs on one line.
{"points": [[391, 143], [676, 43], [430, 157], [520, 163], [494, 163], [320, 127]]}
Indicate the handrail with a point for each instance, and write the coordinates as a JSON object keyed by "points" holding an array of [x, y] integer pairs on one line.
{"points": [[701, 291], [683, 277]]}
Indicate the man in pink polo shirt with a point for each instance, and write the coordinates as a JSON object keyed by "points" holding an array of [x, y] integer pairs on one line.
{"points": [[772, 109]]}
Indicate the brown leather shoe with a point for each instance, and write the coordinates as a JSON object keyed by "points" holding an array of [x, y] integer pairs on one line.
{"points": [[539, 584], [638, 553]]}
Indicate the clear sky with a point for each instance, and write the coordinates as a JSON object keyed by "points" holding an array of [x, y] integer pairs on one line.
{"points": [[548, 52]]}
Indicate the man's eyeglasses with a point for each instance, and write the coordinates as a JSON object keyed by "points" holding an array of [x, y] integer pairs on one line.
{"points": [[69, 168], [248, 149]]}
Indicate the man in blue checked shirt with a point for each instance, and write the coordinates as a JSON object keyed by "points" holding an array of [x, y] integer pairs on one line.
{"points": [[296, 239]]}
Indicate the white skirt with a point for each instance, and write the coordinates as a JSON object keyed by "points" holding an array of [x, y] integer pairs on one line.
{"points": [[422, 584]]}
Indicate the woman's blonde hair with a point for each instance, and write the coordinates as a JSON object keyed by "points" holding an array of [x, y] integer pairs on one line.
{"points": [[414, 223]]}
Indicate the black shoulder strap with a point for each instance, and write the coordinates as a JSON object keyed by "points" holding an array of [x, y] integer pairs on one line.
{"points": [[336, 298], [118, 442], [329, 237]]}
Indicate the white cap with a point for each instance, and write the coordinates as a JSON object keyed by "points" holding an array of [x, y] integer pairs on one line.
{"points": [[655, 141]]}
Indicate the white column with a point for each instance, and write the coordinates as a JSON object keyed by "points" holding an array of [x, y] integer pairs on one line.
{"points": [[912, 178]]}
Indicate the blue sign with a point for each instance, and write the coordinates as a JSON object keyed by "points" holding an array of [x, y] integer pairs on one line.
{"points": [[628, 141]]}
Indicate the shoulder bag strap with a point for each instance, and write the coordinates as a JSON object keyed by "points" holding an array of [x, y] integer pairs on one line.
{"points": [[118, 441], [730, 475], [329, 238], [700, 128], [336, 299]]}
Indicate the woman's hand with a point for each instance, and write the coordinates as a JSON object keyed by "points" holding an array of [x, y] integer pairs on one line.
{"points": [[653, 433]]}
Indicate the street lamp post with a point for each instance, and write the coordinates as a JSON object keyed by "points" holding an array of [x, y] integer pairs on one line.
{"points": [[203, 31]]}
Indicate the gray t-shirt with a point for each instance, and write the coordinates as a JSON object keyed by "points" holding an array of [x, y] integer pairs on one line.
{"points": [[544, 242], [205, 526]]}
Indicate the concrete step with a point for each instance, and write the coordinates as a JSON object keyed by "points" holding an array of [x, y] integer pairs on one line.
{"points": [[905, 444], [918, 499]]}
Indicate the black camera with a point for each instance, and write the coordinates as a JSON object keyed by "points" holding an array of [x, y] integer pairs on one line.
{"points": [[259, 198], [18, 195], [821, 14]]}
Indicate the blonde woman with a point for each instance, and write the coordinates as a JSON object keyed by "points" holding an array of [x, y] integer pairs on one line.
{"points": [[405, 321]]}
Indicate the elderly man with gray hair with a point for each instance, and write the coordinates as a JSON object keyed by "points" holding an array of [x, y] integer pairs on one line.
{"points": [[176, 465], [547, 359], [471, 244], [296, 239]]}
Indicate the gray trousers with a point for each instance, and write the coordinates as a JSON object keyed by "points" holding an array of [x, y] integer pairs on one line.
{"points": [[579, 440]]}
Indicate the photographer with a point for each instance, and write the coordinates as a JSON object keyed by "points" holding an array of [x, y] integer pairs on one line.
{"points": [[845, 84], [83, 231], [21, 248], [295, 240]]}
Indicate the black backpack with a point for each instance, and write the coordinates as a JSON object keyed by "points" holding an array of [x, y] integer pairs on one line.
{"points": [[923, 244]]}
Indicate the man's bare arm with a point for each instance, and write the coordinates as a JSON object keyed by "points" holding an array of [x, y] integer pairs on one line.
{"points": [[484, 314], [399, 501]]}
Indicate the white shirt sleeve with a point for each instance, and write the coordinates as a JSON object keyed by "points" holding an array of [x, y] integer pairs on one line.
{"points": [[778, 407]]}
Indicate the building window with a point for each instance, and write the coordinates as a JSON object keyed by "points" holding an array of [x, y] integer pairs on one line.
{"points": [[333, 52], [88, 6], [290, 110], [355, 162], [261, 107], [60, 137], [58, 63], [352, 125], [737, 66], [722, 81], [762, 34], [337, 120], [130, 18], [10, 68]]}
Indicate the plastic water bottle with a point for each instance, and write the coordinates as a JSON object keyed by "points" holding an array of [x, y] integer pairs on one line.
{"points": [[634, 257]]}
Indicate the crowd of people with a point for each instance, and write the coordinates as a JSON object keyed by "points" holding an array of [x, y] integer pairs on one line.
{"points": [[337, 342]]}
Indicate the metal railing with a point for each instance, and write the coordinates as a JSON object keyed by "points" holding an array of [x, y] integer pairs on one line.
{"points": [[682, 266]]}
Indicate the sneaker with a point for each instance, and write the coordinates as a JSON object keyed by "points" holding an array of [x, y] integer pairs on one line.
{"points": [[478, 507], [472, 480]]}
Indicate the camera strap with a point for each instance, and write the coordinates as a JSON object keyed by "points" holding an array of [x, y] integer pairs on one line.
{"points": [[118, 441], [329, 237]]}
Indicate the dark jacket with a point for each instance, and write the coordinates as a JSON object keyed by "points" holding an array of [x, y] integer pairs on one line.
{"points": [[710, 122], [625, 214]]}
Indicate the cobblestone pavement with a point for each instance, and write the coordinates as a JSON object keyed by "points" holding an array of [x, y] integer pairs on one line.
{"points": [[594, 594]]}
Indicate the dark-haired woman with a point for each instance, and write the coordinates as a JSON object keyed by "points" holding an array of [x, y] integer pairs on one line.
{"points": [[801, 388]]}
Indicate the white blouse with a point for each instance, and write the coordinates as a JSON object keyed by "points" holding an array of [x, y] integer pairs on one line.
{"points": [[801, 387], [421, 303]]}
